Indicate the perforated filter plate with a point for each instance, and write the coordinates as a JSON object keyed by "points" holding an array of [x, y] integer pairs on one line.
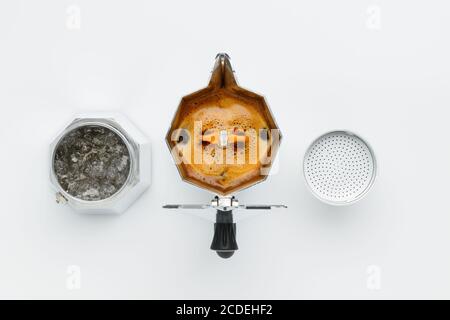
{"points": [[339, 167]]}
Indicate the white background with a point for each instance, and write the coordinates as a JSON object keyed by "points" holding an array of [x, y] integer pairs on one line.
{"points": [[378, 68]]}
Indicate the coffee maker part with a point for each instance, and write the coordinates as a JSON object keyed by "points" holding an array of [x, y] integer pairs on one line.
{"points": [[236, 113], [339, 168], [100, 163]]}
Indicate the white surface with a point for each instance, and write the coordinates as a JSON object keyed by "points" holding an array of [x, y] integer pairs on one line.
{"points": [[322, 65]]}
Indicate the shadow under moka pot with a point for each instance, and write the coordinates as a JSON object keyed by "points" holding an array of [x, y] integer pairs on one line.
{"points": [[223, 139], [100, 163]]}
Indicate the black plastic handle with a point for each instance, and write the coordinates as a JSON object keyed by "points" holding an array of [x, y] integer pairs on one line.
{"points": [[224, 240]]}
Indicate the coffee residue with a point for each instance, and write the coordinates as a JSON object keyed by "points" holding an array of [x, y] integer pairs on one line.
{"points": [[91, 163]]}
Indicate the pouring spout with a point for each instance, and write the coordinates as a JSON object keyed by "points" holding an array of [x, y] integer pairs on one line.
{"points": [[222, 74]]}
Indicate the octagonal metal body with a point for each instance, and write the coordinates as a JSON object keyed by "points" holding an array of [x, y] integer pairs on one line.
{"points": [[222, 88]]}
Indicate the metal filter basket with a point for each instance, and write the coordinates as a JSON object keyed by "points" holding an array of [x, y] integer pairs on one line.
{"points": [[339, 168]]}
